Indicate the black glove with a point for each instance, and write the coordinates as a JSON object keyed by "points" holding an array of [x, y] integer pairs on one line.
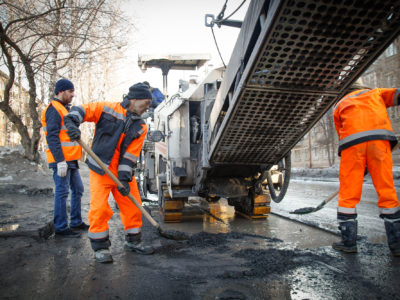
{"points": [[72, 129], [124, 191]]}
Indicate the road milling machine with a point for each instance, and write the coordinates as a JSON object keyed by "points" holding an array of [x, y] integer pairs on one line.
{"points": [[228, 135]]}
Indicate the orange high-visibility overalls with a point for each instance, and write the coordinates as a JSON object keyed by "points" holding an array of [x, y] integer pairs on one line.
{"points": [[365, 140], [118, 146]]}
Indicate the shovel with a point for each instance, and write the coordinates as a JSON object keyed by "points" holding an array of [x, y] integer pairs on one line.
{"points": [[308, 210], [171, 234]]}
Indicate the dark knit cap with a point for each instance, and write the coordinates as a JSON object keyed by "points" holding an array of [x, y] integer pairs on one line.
{"points": [[139, 91], [63, 85]]}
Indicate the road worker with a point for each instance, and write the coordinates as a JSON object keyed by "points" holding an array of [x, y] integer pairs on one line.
{"points": [[118, 141], [157, 96], [365, 141], [62, 157]]}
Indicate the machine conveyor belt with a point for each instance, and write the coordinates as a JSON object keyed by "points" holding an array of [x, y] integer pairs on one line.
{"points": [[306, 55]]}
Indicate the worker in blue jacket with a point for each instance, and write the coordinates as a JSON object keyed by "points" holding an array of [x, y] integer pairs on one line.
{"points": [[158, 97], [62, 157]]}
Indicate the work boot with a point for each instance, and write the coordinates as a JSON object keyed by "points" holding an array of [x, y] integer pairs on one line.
{"points": [[133, 243], [100, 247], [393, 235], [103, 256], [348, 244], [68, 233], [83, 226]]}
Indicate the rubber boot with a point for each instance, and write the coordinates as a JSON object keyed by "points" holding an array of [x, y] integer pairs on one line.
{"points": [[133, 242], [101, 251], [348, 244], [393, 236], [103, 256]]}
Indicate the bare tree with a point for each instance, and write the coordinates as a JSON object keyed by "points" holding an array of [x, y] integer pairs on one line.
{"points": [[46, 37], [327, 139]]}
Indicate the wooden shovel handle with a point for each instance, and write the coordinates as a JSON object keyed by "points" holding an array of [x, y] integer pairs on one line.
{"points": [[118, 183]]}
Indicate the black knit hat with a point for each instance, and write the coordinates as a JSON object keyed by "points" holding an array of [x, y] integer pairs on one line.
{"points": [[63, 85], [139, 91]]}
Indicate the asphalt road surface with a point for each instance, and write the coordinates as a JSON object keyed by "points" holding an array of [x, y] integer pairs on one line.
{"points": [[283, 257]]}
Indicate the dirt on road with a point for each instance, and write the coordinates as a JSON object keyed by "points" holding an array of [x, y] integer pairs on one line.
{"points": [[265, 259]]}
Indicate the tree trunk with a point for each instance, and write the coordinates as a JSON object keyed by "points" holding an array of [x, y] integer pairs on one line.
{"points": [[29, 144]]}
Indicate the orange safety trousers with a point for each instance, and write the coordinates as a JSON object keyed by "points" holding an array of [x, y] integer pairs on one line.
{"points": [[377, 157], [100, 212]]}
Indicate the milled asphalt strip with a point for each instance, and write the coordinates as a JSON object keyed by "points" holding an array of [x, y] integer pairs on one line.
{"points": [[43, 232], [306, 223], [331, 268]]}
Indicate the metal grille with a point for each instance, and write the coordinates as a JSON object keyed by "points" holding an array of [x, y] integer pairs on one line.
{"points": [[311, 53], [266, 119]]}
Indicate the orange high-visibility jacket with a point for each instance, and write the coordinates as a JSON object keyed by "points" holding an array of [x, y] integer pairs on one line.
{"points": [[362, 116], [71, 150], [117, 140]]}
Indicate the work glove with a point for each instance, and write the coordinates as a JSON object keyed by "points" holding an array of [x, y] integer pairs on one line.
{"points": [[124, 191], [72, 129], [62, 168]]}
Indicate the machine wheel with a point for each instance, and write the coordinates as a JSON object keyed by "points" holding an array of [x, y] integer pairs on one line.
{"points": [[212, 199], [170, 208], [278, 191], [252, 206]]}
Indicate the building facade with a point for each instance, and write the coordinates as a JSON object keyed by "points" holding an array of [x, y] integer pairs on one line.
{"points": [[318, 148]]}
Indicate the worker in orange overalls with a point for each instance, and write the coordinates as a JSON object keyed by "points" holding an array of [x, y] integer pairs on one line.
{"points": [[118, 141], [365, 141]]}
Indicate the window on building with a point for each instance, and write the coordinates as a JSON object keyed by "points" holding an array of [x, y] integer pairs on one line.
{"points": [[306, 155], [297, 155], [370, 80], [391, 50], [391, 80], [316, 152]]}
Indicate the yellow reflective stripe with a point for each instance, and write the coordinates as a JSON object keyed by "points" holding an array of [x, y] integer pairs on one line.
{"points": [[133, 230], [112, 112], [362, 134], [98, 235], [62, 128], [125, 168], [69, 144], [389, 211], [351, 96], [94, 163], [76, 113], [131, 157], [346, 210]]}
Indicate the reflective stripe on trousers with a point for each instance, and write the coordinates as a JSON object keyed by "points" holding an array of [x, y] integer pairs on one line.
{"points": [[377, 156], [100, 211]]}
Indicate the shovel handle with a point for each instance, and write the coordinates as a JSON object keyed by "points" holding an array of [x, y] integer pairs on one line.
{"points": [[118, 183], [331, 196]]}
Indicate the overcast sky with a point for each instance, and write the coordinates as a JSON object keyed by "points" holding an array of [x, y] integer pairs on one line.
{"points": [[176, 26]]}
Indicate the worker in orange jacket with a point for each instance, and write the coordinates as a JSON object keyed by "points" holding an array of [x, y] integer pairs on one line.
{"points": [[118, 140], [365, 141], [63, 156]]}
